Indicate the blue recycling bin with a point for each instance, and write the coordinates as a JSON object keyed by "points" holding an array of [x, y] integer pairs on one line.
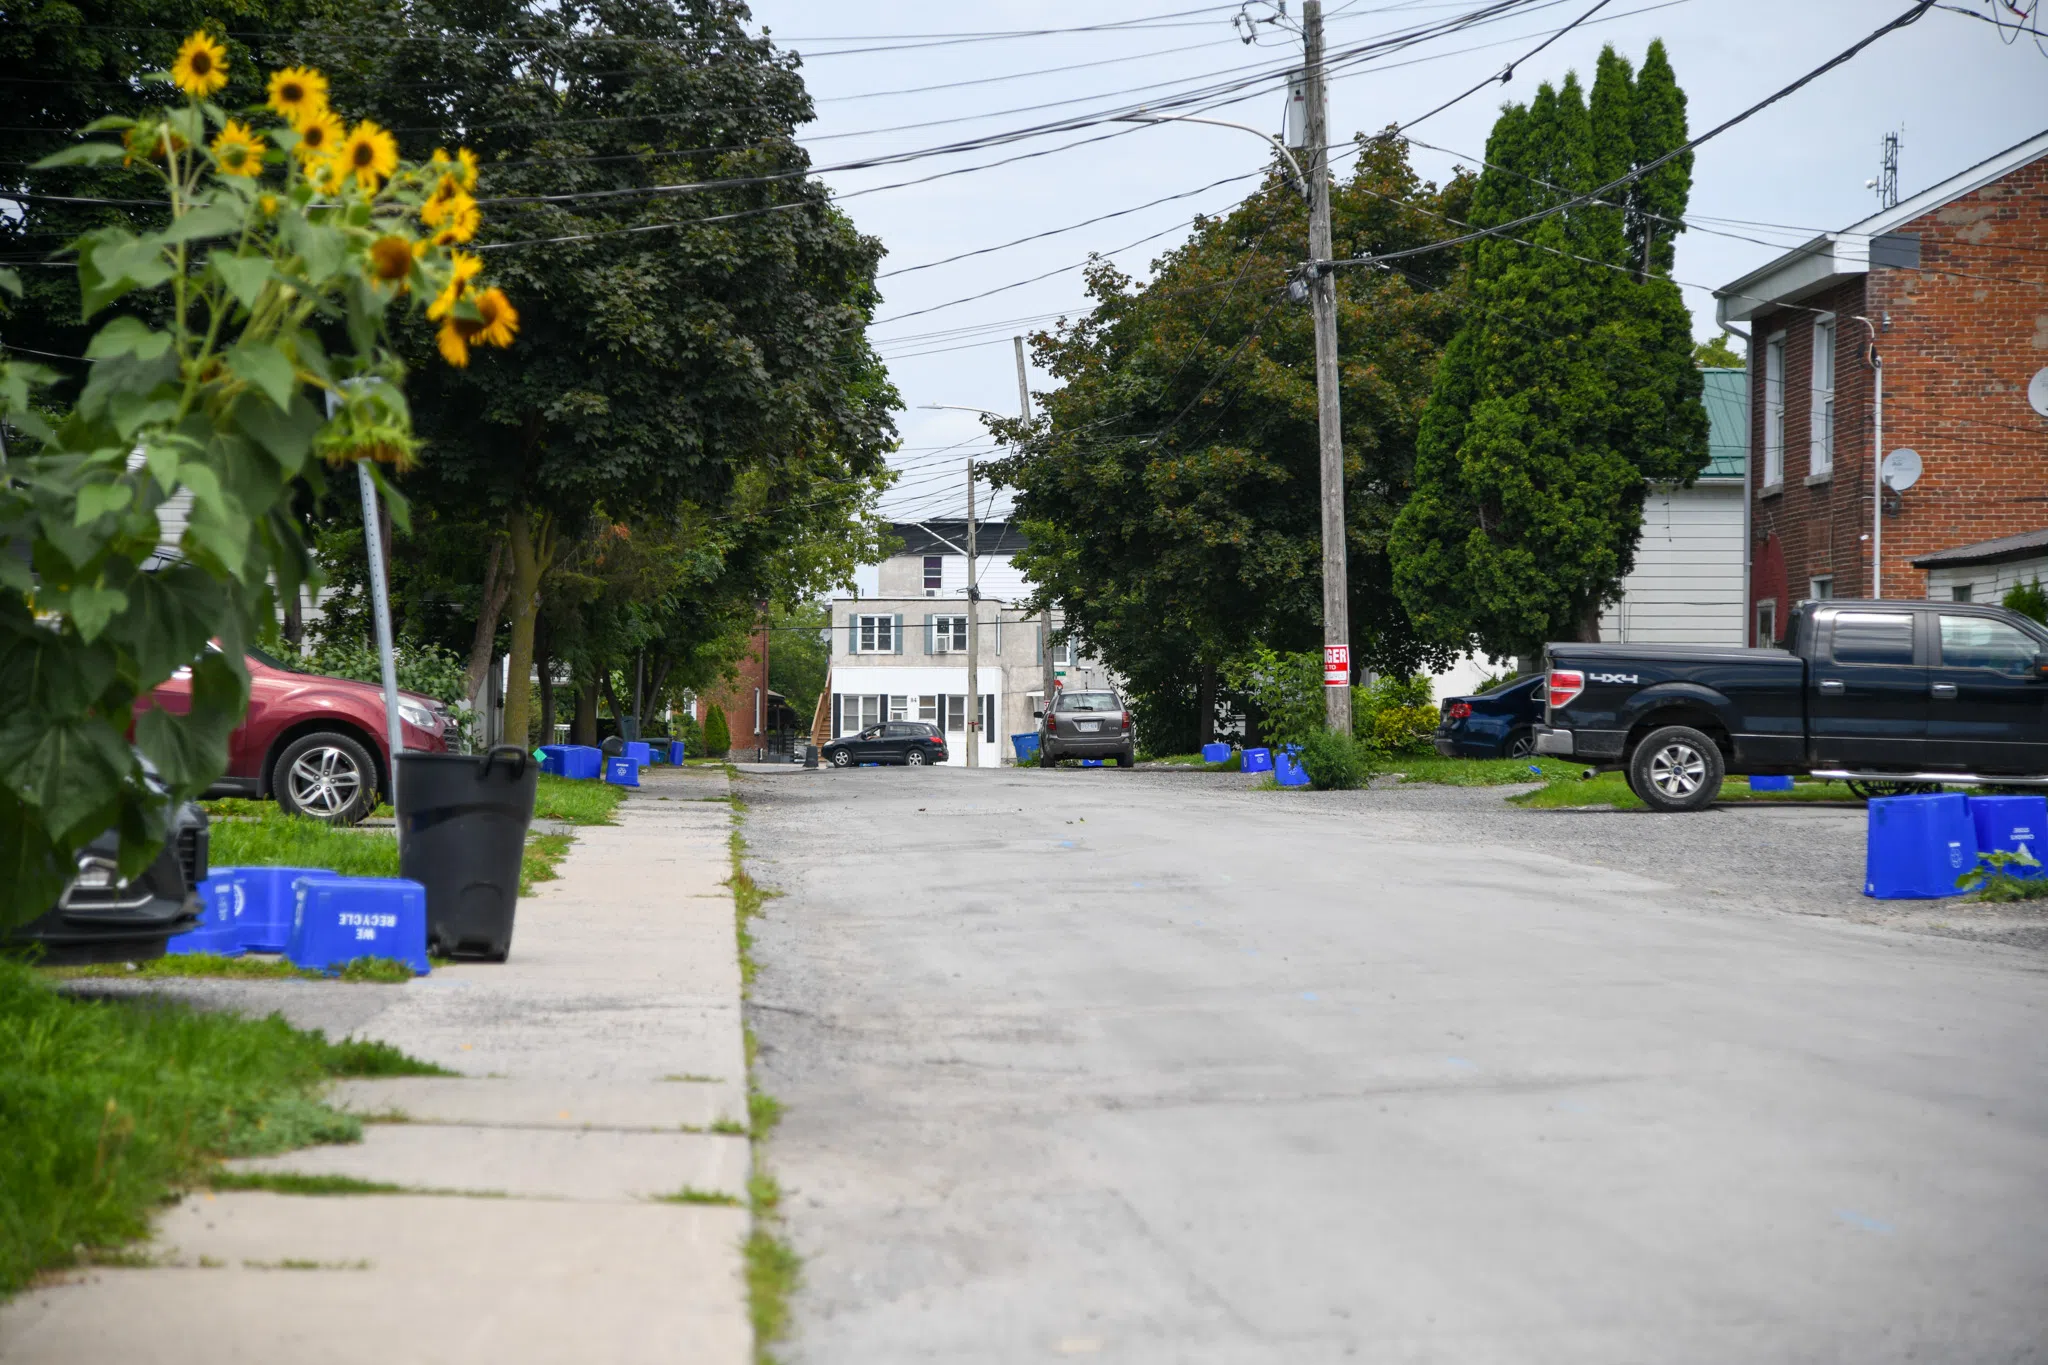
{"points": [[1216, 753], [1091, 762], [263, 904], [622, 771], [1257, 761], [1287, 769], [336, 920], [215, 932], [1916, 846], [1770, 784], [1026, 746], [582, 761], [675, 751], [552, 759], [640, 753], [2011, 824]]}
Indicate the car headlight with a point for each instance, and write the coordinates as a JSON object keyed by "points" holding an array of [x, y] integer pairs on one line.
{"points": [[418, 713]]}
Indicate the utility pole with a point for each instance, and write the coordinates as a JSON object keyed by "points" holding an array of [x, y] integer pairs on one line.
{"points": [[1045, 617], [1323, 297], [973, 635]]}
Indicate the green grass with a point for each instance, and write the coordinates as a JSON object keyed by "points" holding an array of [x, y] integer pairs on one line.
{"points": [[575, 802], [107, 1107], [544, 853], [280, 840], [1228, 765], [690, 1195], [378, 969], [1611, 789], [1479, 772]]}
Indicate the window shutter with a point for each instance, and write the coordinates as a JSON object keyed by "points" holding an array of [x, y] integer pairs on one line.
{"points": [[835, 715], [853, 635], [931, 642], [896, 632]]}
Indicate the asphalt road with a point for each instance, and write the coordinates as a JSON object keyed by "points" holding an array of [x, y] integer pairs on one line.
{"points": [[1149, 1067]]}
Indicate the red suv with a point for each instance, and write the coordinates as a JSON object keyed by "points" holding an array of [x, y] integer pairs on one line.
{"points": [[314, 743]]}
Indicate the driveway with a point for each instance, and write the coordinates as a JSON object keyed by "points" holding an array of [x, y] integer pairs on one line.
{"points": [[1152, 1067]]}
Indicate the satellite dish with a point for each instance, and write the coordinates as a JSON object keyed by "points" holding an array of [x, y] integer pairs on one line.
{"points": [[1900, 470], [2037, 392]]}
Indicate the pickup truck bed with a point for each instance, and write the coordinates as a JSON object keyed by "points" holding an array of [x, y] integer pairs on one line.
{"points": [[1876, 692]]}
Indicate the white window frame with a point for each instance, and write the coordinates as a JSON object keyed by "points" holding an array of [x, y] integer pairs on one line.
{"points": [[859, 710], [934, 574], [949, 634], [874, 634], [1821, 587], [1821, 398], [928, 709], [1766, 623], [1962, 592], [1774, 410]]}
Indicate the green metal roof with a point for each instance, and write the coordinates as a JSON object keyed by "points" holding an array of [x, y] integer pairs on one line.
{"points": [[1727, 403]]}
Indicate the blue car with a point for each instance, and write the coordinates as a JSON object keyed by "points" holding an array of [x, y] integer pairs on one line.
{"points": [[1494, 724]]}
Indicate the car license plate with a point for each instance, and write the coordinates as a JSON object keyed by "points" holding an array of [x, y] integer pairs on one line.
{"points": [[1088, 727]]}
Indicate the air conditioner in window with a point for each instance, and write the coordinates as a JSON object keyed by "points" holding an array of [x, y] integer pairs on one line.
{"points": [[931, 592]]}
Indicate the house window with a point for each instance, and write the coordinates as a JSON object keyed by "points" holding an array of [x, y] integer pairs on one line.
{"points": [[899, 708], [1774, 411], [928, 710], [1962, 592], [934, 572], [874, 635], [856, 713], [1823, 587], [1767, 622], [955, 709], [949, 635], [1823, 411], [1063, 654], [956, 715]]}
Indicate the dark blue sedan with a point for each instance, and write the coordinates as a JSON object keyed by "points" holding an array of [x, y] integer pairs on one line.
{"points": [[1494, 724]]}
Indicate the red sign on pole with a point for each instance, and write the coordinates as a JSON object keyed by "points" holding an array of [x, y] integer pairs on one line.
{"points": [[1336, 665]]}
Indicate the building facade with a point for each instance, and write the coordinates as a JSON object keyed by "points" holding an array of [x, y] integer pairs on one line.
{"points": [[1687, 584], [899, 643], [1948, 291]]}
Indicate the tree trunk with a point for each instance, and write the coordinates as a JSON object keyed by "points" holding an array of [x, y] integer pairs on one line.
{"points": [[611, 695], [532, 542], [294, 628], [1589, 623], [489, 611], [544, 665], [661, 668], [583, 727], [1205, 704]]}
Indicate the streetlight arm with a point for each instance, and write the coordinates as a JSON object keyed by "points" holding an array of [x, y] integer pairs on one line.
{"points": [[1278, 145]]}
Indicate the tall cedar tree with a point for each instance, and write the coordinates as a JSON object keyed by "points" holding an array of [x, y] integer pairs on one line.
{"points": [[1170, 487], [1569, 386], [697, 359]]}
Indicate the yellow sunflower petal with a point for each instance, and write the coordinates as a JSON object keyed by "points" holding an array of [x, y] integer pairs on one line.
{"points": [[238, 151], [454, 349], [297, 93], [201, 67], [370, 154], [319, 136]]}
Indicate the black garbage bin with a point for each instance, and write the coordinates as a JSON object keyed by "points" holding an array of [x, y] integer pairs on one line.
{"points": [[462, 822]]}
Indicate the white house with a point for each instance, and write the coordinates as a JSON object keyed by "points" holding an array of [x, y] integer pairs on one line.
{"points": [[1688, 586], [899, 642]]}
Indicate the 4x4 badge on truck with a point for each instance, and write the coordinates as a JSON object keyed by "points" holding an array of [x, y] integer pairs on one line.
{"points": [[1611, 677]]}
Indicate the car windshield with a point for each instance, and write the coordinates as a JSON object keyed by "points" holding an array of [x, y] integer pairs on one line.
{"points": [[1510, 683], [1090, 701], [269, 660]]}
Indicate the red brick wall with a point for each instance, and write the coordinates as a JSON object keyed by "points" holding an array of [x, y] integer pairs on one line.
{"points": [[736, 698], [1960, 337]]}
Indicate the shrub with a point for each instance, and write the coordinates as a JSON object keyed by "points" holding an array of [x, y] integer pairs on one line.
{"points": [[427, 669], [1334, 762], [2029, 599], [1286, 688], [717, 734], [1395, 715]]}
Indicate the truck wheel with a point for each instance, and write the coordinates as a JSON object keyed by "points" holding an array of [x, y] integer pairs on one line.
{"points": [[325, 776], [1676, 769]]}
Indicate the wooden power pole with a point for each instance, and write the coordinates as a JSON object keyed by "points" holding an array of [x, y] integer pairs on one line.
{"points": [[1323, 298]]}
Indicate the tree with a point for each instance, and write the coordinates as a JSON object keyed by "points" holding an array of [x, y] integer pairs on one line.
{"points": [[694, 358], [717, 734], [1569, 385], [1170, 488], [1716, 354], [800, 654]]}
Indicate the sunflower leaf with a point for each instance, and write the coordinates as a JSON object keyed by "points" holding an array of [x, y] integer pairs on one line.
{"points": [[95, 500], [127, 335], [263, 366], [84, 154], [208, 220], [244, 276]]}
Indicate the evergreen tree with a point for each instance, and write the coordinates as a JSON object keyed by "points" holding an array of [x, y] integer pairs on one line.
{"points": [[1569, 386], [717, 734]]}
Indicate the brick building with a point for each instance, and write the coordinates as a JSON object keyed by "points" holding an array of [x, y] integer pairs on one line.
{"points": [[752, 712], [1950, 288]]}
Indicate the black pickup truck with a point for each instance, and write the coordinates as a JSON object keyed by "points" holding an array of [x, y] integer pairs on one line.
{"points": [[1888, 696]]}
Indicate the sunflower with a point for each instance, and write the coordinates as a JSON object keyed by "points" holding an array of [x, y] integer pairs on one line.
{"points": [[446, 199], [461, 167], [237, 151], [297, 94], [462, 268], [319, 135], [370, 154], [391, 260], [268, 203], [453, 341], [459, 224], [150, 142], [498, 320], [202, 65]]}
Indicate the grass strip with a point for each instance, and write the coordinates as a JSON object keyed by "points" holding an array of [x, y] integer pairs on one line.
{"points": [[576, 802], [1480, 772], [109, 1106], [690, 1195], [540, 859], [381, 970], [1611, 789], [280, 840], [292, 1182]]}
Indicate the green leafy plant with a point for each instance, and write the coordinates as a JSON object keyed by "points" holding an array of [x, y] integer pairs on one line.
{"points": [[1286, 688], [1993, 878], [1335, 762], [2028, 599], [258, 340], [717, 734], [428, 669]]}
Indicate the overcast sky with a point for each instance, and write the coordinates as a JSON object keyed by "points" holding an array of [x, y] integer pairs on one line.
{"points": [[1960, 88]]}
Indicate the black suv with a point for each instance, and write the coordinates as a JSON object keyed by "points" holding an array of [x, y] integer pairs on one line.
{"points": [[914, 742], [101, 918], [1087, 725]]}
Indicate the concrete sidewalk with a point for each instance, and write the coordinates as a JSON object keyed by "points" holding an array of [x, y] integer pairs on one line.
{"points": [[595, 1066]]}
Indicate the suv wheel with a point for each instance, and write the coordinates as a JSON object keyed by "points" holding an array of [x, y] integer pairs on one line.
{"points": [[915, 757], [841, 758], [326, 776], [1676, 769], [1046, 757], [1126, 759]]}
